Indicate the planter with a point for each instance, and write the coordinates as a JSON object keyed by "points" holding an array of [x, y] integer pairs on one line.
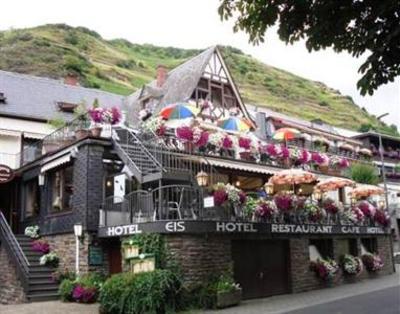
{"points": [[323, 169], [287, 163], [81, 133], [96, 131], [227, 299], [246, 156]]}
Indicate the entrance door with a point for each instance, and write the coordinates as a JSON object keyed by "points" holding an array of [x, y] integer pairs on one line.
{"points": [[260, 267], [115, 258]]}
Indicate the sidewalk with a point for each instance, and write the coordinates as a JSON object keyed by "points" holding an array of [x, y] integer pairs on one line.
{"points": [[272, 305], [290, 302]]}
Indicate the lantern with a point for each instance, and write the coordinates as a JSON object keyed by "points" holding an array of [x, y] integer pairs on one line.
{"points": [[269, 188], [202, 178]]}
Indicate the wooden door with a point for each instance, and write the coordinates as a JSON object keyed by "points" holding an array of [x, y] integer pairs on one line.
{"points": [[260, 267], [115, 258]]}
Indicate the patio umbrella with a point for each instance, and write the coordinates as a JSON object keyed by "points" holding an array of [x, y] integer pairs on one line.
{"points": [[286, 134], [292, 176], [235, 124], [333, 184], [179, 111], [366, 191]]}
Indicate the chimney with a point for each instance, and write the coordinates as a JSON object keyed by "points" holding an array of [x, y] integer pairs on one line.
{"points": [[261, 123], [71, 79], [161, 75]]}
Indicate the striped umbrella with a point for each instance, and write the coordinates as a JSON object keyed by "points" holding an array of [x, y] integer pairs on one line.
{"points": [[179, 111], [235, 124], [286, 134]]}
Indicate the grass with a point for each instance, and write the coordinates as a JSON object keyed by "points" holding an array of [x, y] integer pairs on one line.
{"points": [[121, 67]]}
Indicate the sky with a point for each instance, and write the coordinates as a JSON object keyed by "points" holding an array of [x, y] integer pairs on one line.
{"points": [[196, 24]]}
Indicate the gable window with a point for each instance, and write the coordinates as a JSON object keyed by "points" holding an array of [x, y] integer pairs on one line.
{"points": [[32, 198], [66, 106], [61, 185]]}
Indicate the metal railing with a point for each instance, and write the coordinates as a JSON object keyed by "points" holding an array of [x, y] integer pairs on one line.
{"points": [[14, 251], [73, 130], [171, 202]]}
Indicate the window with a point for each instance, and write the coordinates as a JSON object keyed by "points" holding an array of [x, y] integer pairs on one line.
{"points": [[32, 198], [347, 246], [369, 245], [61, 189], [324, 247]]}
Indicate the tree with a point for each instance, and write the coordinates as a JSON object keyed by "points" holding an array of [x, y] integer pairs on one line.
{"points": [[355, 26]]}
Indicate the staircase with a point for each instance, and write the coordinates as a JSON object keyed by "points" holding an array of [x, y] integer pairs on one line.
{"points": [[143, 165], [40, 285]]}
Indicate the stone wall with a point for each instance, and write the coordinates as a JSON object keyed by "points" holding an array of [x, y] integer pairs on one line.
{"points": [[200, 255], [11, 291], [64, 246]]}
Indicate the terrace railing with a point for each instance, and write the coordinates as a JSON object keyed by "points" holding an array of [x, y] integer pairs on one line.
{"points": [[164, 203], [72, 131]]}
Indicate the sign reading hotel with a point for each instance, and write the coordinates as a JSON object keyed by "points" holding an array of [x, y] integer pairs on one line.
{"points": [[180, 226], [6, 174]]}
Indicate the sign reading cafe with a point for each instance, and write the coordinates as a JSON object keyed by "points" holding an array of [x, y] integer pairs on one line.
{"points": [[234, 227]]}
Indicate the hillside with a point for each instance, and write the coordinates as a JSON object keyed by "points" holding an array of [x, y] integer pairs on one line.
{"points": [[121, 67]]}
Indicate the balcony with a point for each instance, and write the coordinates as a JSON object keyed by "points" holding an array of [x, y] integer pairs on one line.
{"points": [[179, 208]]}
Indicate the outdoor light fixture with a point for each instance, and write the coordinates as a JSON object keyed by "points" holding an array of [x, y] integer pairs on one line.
{"points": [[41, 179], [202, 178], [317, 195], [109, 183], [353, 200], [381, 204], [78, 234], [237, 183], [269, 188]]}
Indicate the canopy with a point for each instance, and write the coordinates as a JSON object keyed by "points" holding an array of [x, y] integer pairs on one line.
{"points": [[346, 146], [332, 184], [365, 151], [286, 134], [179, 111], [235, 124], [292, 176], [366, 191]]}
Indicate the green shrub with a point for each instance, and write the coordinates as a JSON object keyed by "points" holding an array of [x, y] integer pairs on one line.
{"points": [[363, 173], [152, 292], [71, 38], [65, 290]]}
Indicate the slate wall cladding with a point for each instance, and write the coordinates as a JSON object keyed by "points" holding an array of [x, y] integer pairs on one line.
{"points": [[11, 291]]}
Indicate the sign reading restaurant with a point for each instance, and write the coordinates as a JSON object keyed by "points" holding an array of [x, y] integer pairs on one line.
{"points": [[234, 227], [6, 174]]}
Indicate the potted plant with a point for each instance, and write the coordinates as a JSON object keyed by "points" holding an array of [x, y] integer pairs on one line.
{"points": [[96, 115], [185, 135], [372, 262], [245, 145], [351, 265], [325, 269], [229, 293], [80, 113], [49, 259]]}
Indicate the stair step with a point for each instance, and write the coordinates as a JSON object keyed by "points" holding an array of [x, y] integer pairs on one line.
{"points": [[43, 296], [40, 276], [41, 281], [43, 287], [40, 269]]}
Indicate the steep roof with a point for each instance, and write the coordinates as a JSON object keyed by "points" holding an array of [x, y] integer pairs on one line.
{"points": [[36, 97], [179, 85]]}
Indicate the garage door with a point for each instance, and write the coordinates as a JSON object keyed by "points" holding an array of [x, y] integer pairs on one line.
{"points": [[261, 267]]}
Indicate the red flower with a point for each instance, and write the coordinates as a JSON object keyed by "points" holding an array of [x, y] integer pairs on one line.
{"points": [[227, 142], [203, 140], [220, 197], [285, 152], [382, 218], [244, 142], [184, 133]]}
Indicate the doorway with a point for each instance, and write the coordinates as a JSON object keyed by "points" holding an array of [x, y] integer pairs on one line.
{"points": [[261, 267], [114, 258]]}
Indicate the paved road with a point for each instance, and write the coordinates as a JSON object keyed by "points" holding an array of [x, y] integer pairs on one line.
{"points": [[386, 301]]}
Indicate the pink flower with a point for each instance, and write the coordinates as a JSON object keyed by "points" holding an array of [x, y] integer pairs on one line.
{"points": [[344, 163], [305, 157], [285, 152], [41, 246], [244, 142], [203, 140], [283, 202], [184, 133], [220, 197], [272, 150], [116, 115], [96, 114], [242, 197], [367, 209], [265, 210], [227, 142], [382, 218]]}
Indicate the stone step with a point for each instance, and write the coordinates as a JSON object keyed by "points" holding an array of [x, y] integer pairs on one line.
{"points": [[43, 287], [40, 276], [41, 281], [42, 296], [41, 269]]}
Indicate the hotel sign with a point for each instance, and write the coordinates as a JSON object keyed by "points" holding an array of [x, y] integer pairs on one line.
{"points": [[6, 174], [236, 227]]}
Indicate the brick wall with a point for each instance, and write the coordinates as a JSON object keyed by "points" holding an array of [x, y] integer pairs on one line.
{"points": [[11, 291], [64, 246], [200, 255]]}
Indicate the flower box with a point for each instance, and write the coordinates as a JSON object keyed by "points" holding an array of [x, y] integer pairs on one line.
{"points": [[228, 299], [246, 156]]}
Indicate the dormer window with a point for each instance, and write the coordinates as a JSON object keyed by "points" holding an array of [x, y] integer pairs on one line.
{"points": [[66, 106], [3, 98]]}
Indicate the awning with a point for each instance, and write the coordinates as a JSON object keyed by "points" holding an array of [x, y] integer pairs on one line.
{"points": [[36, 136], [9, 132], [230, 164], [55, 163]]}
